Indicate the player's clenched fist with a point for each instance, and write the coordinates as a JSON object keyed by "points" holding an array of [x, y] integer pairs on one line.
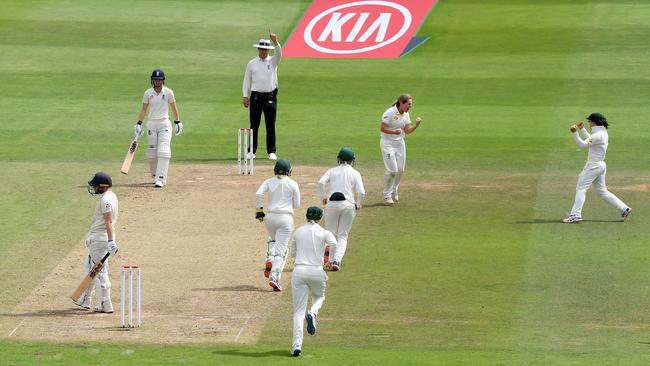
{"points": [[259, 214], [581, 125], [573, 128]]}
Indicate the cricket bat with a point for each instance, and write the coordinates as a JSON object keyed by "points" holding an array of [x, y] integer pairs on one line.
{"points": [[128, 159], [85, 283]]}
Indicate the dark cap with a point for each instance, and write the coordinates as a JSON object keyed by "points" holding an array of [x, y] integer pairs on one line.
{"points": [[597, 118]]}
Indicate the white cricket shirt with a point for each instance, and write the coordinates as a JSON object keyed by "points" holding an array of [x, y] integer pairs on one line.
{"points": [[345, 179], [394, 120], [597, 143], [158, 103], [262, 75], [284, 195], [107, 203], [309, 243]]}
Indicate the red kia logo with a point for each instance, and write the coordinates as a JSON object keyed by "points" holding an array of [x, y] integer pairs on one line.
{"points": [[357, 27]]}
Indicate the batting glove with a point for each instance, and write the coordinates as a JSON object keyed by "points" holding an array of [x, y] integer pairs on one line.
{"points": [[179, 127], [112, 247], [259, 214], [138, 129]]}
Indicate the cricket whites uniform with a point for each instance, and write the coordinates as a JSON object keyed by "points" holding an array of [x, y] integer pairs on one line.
{"points": [[346, 192], [97, 245], [261, 83], [159, 131], [393, 150], [308, 247], [284, 196], [595, 169]]}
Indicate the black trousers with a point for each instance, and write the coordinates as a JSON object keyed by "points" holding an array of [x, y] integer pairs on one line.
{"points": [[266, 103]]}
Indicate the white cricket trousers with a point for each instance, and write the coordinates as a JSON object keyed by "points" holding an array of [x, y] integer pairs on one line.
{"points": [[97, 248], [594, 174], [279, 227], [394, 155], [159, 150], [306, 280], [339, 216]]}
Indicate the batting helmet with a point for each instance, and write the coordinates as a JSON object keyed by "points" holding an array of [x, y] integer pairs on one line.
{"points": [[282, 167], [99, 183], [346, 154], [157, 74], [314, 213]]}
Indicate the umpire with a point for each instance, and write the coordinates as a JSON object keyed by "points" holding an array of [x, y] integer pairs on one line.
{"points": [[261, 84]]}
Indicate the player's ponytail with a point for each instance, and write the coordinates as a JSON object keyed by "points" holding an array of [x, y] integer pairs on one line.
{"points": [[402, 99]]}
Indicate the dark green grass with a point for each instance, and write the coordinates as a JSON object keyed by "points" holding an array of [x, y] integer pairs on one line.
{"points": [[471, 268]]}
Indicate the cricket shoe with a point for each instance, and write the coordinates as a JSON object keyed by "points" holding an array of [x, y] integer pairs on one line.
{"points": [[272, 156], [388, 200], [572, 219], [336, 266], [275, 284], [311, 323], [83, 302], [250, 156], [626, 213], [395, 197], [159, 184], [296, 352], [105, 306], [267, 268]]}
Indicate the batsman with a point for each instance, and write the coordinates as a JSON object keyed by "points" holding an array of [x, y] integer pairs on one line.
{"points": [[284, 197], [100, 239]]}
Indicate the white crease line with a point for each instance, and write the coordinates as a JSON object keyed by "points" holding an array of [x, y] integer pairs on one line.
{"points": [[241, 329], [17, 326]]}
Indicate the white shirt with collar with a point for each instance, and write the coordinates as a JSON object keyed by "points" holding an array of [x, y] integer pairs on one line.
{"points": [[395, 120], [107, 203], [597, 143], [158, 103], [262, 74], [284, 195], [308, 244], [344, 179]]}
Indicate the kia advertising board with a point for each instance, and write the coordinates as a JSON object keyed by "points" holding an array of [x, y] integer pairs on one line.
{"points": [[359, 29]]}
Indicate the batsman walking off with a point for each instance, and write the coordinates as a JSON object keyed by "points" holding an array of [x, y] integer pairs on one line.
{"points": [[284, 197], [308, 248], [595, 170], [157, 100], [346, 193], [395, 124], [100, 239]]}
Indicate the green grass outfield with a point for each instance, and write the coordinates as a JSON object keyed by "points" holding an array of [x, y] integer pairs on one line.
{"points": [[472, 268]]}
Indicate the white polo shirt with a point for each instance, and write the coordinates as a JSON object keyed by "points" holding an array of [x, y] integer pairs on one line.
{"points": [[597, 143], [345, 179], [262, 75], [308, 244], [158, 103], [107, 203], [394, 120], [284, 195]]}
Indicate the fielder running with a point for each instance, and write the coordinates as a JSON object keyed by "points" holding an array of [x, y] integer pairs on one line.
{"points": [[395, 124], [100, 239], [157, 99], [595, 170], [308, 247], [346, 194], [284, 197]]}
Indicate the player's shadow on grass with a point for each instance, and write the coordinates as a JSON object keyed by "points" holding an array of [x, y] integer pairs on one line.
{"points": [[557, 221], [239, 288], [240, 353]]}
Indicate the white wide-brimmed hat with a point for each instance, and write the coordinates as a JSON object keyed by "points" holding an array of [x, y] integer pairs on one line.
{"points": [[264, 43]]}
